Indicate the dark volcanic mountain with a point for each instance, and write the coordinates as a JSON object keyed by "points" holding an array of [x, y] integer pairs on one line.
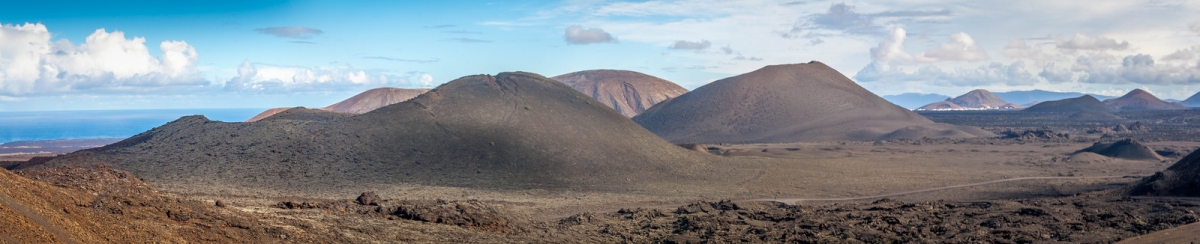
{"points": [[1193, 101], [1126, 149], [509, 131], [1086, 103], [1037, 96], [788, 103], [628, 92], [374, 99], [1181, 179], [1139, 99], [980, 98]]}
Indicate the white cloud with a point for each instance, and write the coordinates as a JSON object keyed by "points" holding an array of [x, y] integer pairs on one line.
{"points": [[960, 48], [576, 34], [1020, 49], [106, 61], [1195, 26], [892, 48], [688, 45], [273, 79], [426, 80], [1084, 42]]}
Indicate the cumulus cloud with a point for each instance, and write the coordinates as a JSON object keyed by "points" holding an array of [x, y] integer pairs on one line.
{"points": [[31, 64], [1014, 74], [688, 45], [1183, 54], [1138, 69], [1021, 50], [1084, 42], [727, 50], [961, 47], [576, 34], [294, 32], [266, 78], [892, 48]]}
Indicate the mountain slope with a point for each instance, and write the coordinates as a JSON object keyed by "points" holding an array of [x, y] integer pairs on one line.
{"points": [[980, 98], [627, 92], [1035, 96], [1139, 99], [373, 99], [509, 131], [783, 103], [1085, 103]]}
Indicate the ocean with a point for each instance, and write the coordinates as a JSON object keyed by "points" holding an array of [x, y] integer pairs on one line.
{"points": [[55, 125]]}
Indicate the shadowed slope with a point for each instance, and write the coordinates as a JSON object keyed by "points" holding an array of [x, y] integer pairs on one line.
{"points": [[782, 103], [1178, 180], [1193, 101], [1084, 103], [628, 92], [510, 131], [1139, 99]]}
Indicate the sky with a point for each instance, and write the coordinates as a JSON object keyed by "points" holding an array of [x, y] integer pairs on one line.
{"points": [[88, 55]]}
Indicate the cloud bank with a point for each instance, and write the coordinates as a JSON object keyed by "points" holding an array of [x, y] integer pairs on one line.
{"points": [[266, 78], [31, 64]]}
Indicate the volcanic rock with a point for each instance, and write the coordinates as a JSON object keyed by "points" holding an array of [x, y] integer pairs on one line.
{"points": [[1181, 179], [787, 103], [627, 92], [1093, 115], [509, 131], [1085, 103], [1139, 99], [1125, 149]]}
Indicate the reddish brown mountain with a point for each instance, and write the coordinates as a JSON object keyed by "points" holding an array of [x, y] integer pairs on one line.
{"points": [[373, 99], [628, 92], [1139, 99], [358, 104], [1085, 103], [267, 113], [788, 103], [980, 98]]}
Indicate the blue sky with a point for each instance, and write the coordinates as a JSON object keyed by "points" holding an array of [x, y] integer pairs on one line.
{"points": [[66, 55]]}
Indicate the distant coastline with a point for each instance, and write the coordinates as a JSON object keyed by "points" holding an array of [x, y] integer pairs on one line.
{"points": [[18, 126]]}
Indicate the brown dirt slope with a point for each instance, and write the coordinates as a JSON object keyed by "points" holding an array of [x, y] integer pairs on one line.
{"points": [[374, 99], [107, 206], [1178, 180], [509, 131], [1126, 149], [1139, 99], [943, 105], [784, 103], [1085, 103], [628, 92], [980, 98]]}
